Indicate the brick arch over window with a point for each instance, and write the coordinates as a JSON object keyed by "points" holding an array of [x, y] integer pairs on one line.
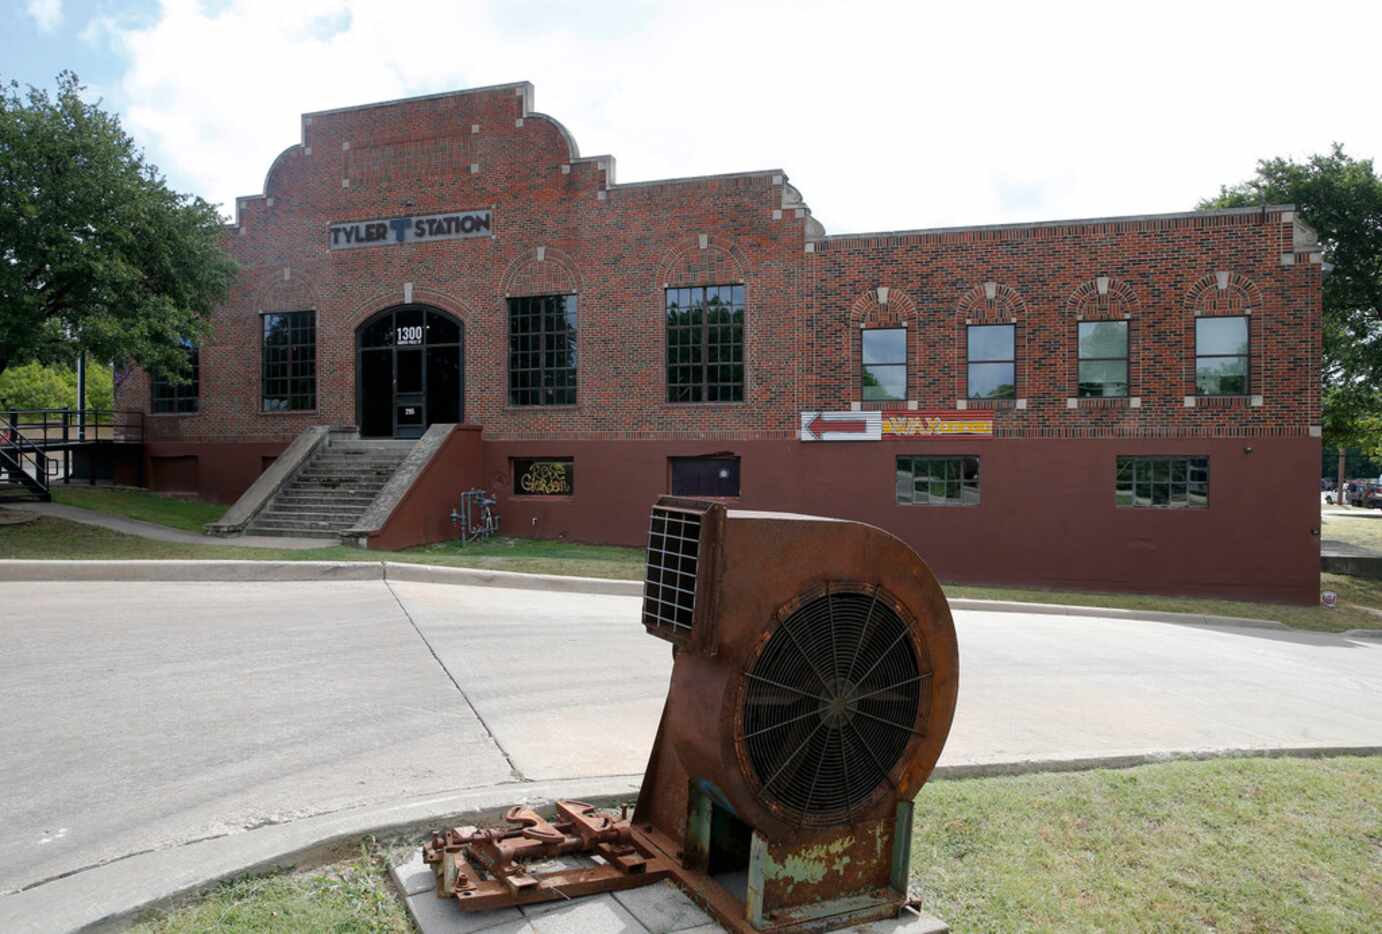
{"points": [[1102, 299], [541, 271], [990, 303], [867, 311], [1224, 293]]}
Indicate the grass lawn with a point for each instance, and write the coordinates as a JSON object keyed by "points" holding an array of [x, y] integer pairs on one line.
{"points": [[188, 515], [1232, 845], [1363, 527], [355, 896]]}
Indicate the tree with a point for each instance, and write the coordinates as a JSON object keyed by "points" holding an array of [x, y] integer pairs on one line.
{"points": [[97, 254], [35, 386], [1341, 198]]}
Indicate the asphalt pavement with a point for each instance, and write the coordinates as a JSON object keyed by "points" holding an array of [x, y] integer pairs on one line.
{"points": [[141, 717]]}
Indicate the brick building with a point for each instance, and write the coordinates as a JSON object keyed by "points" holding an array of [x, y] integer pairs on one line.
{"points": [[1120, 403]]}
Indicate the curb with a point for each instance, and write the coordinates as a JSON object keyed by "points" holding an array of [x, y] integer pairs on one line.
{"points": [[249, 571], [1362, 634], [111, 896]]}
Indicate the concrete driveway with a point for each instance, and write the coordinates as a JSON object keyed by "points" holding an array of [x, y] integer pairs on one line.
{"points": [[142, 716]]}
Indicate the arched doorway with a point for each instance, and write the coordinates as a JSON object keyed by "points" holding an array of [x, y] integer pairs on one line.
{"points": [[409, 371]]}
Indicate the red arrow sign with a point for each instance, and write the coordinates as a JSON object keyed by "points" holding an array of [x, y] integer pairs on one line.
{"points": [[819, 425]]}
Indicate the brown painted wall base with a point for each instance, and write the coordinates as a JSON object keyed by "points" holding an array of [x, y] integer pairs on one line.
{"points": [[1046, 519], [217, 471]]}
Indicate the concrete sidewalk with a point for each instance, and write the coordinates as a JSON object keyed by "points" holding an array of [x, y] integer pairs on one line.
{"points": [[161, 735], [161, 533]]}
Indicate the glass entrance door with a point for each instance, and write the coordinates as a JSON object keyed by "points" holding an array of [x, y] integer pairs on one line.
{"points": [[409, 372]]}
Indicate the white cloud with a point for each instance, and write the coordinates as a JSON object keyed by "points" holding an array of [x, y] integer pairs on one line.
{"points": [[886, 115], [47, 14]]}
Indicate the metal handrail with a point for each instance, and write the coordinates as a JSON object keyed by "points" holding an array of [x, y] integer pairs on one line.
{"points": [[14, 448], [51, 428]]}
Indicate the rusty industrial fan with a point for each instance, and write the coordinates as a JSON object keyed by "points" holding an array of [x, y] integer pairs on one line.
{"points": [[813, 687]]}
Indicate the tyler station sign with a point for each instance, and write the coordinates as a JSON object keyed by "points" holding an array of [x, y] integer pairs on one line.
{"points": [[391, 231]]}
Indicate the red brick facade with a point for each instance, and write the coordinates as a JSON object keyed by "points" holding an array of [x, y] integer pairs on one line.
{"points": [[562, 225]]}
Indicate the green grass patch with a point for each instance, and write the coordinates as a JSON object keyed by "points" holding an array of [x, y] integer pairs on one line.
{"points": [[1230, 845], [185, 514], [58, 539], [1362, 528], [356, 896]]}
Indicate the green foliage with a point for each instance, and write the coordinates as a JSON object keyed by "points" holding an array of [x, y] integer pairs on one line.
{"points": [[35, 386], [96, 252], [1341, 197]]}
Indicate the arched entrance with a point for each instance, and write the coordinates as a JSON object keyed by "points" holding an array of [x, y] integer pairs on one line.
{"points": [[409, 371]]}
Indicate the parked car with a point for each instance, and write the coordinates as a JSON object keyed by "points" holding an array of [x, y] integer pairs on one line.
{"points": [[1364, 493]]}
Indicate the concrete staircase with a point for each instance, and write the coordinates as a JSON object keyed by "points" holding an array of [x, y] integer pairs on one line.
{"points": [[332, 490]]}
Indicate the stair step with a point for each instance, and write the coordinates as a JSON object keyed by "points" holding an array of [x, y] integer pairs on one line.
{"points": [[312, 510], [301, 525], [372, 446], [304, 499], [324, 534]]}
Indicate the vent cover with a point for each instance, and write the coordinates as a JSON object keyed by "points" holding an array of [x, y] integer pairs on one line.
{"points": [[830, 706], [669, 587]]}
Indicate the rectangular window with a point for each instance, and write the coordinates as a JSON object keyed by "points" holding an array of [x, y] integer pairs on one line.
{"points": [[290, 361], [547, 476], [938, 481], [1162, 482], [1103, 358], [885, 364], [705, 476], [705, 344], [542, 350], [1221, 356], [992, 361], [178, 398]]}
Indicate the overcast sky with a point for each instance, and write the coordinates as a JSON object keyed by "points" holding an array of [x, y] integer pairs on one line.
{"points": [[885, 115]]}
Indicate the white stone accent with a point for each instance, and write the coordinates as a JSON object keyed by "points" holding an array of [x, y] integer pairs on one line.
{"points": [[287, 273], [800, 212], [1316, 259], [1021, 403], [1222, 278], [777, 179], [307, 151], [601, 195], [961, 404], [913, 404], [1256, 402], [856, 406], [1072, 403], [474, 168], [345, 183], [1288, 259], [1101, 283], [566, 168], [518, 122], [882, 295], [1288, 216], [703, 240], [474, 128], [1135, 402], [269, 202], [407, 293], [777, 214], [345, 145], [541, 253], [1189, 402], [990, 290], [1316, 431], [810, 248]]}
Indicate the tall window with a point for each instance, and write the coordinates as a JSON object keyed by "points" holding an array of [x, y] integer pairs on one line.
{"points": [[179, 398], [1162, 482], [885, 364], [290, 361], [542, 350], [938, 481], [992, 361], [1221, 356], [1103, 358], [705, 344]]}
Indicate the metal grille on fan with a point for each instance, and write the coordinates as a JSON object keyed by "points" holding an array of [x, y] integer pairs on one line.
{"points": [[831, 704], [669, 589]]}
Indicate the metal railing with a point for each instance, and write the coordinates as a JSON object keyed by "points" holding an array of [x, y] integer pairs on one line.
{"points": [[54, 428], [24, 462]]}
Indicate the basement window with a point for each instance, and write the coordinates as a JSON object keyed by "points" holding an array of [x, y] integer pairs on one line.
{"points": [[705, 476], [1162, 482], [938, 481]]}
